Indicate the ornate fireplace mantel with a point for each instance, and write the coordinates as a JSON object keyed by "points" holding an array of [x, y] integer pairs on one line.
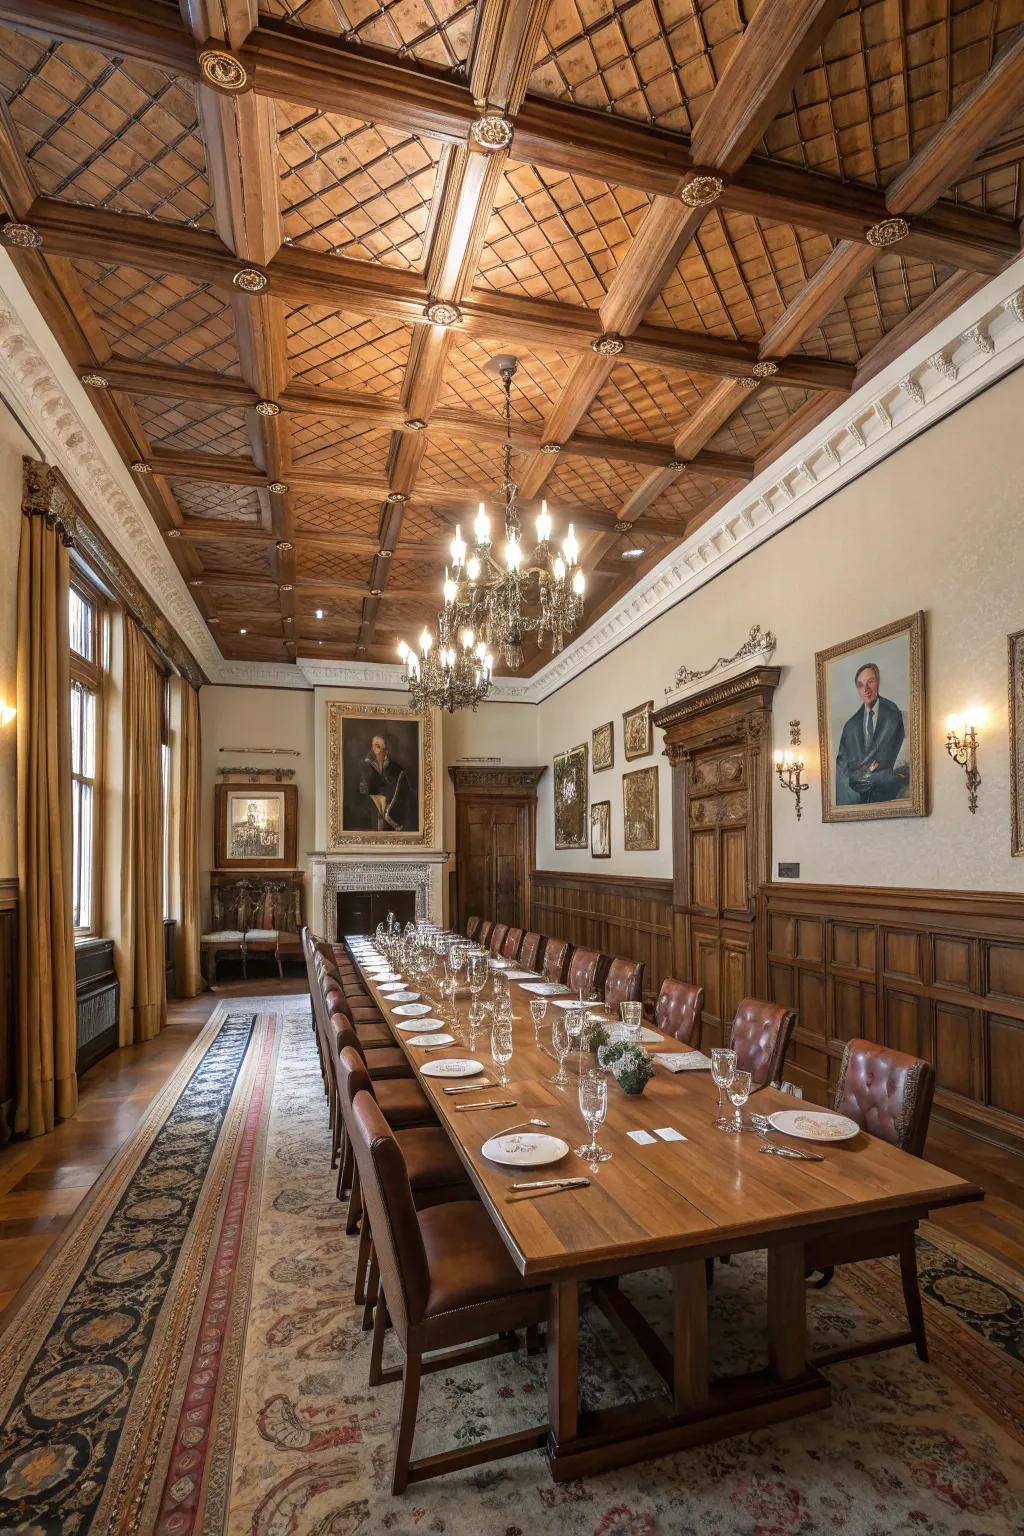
{"points": [[413, 869]]}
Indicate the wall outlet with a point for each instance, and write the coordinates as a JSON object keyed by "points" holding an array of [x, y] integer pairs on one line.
{"points": [[789, 871]]}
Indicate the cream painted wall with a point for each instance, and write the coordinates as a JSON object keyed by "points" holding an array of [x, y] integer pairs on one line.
{"points": [[937, 526], [13, 443]]}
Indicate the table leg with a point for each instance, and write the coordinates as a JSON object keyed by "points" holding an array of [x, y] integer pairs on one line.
{"points": [[690, 1336], [563, 1361], [787, 1312]]}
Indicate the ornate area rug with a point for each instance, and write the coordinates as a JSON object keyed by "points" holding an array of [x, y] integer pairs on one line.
{"points": [[191, 1361]]}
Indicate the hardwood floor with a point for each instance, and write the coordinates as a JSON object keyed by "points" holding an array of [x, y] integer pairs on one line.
{"points": [[43, 1182]]}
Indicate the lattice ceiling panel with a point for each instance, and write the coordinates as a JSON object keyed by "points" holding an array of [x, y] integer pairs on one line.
{"points": [[645, 59], [431, 31], [451, 461], [316, 563], [236, 557], [355, 189], [324, 443], [416, 575], [557, 236], [601, 481], [767, 410], [886, 77], [399, 613], [315, 513], [332, 346], [643, 403], [685, 497], [243, 601], [892, 289], [421, 523], [211, 499], [737, 276], [192, 426], [105, 132], [169, 319], [538, 381], [999, 191]]}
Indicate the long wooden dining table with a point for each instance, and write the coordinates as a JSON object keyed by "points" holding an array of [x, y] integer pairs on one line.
{"points": [[672, 1204]]}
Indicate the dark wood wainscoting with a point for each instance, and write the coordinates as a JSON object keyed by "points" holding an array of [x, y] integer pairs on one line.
{"points": [[8, 1001], [936, 973], [615, 914]]}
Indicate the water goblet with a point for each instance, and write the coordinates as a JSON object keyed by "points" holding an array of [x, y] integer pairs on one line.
{"points": [[477, 978], [593, 1097], [738, 1089], [723, 1065], [562, 1041], [501, 1047], [631, 1017], [538, 1010]]}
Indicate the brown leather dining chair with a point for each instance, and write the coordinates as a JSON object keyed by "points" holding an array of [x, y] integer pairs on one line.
{"points": [[499, 933], [889, 1094], [624, 983], [473, 927], [587, 971], [510, 948], [530, 951], [678, 1011], [556, 959], [447, 1280], [402, 1100], [760, 1037], [483, 937]]}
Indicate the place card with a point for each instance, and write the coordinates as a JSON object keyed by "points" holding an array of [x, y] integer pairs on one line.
{"points": [[643, 1138], [667, 1133]]}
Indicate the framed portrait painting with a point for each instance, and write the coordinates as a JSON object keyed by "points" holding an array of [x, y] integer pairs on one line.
{"points": [[1015, 646], [871, 724], [640, 810], [570, 797], [256, 826], [601, 829], [638, 731], [380, 775], [602, 747]]}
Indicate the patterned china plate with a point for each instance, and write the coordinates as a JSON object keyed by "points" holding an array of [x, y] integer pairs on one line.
{"points": [[420, 1024], [430, 1040], [396, 993], [813, 1125], [411, 1010], [544, 988], [455, 1066], [525, 1149]]}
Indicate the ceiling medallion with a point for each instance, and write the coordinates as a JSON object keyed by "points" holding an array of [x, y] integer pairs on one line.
{"points": [[748, 383], [438, 312], [675, 465], [376, 591], [250, 280], [95, 381], [277, 486], [22, 236], [286, 586], [174, 533], [623, 526], [140, 467], [196, 581], [550, 447], [384, 554], [887, 232], [764, 370], [414, 424], [397, 497], [222, 70], [702, 191], [492, 131], [284, 545], [608, 345], [267, 408]]}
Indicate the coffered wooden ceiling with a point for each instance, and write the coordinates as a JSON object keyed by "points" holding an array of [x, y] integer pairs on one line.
{"points": [[713, 219]]}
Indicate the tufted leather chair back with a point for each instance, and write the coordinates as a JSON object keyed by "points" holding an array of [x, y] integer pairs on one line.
{"points": [[513, 939], [472, 928], [384, 1186], [529, 950], [587, 969], [678, 1011], [624, 983], [483, 937], [888, 1093], [556, 959], [760, 1038], [498, 935]]}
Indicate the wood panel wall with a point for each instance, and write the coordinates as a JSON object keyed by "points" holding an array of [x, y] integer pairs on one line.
{"points": [[937, 973], [617, 915], [8, 1001]]}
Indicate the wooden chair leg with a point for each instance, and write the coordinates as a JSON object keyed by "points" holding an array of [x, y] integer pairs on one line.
{"points": [[372, 1289], [345, 1169], [380, 1328], [355, 1205], [406, 1423], [912, 1294], [362, 1263]]}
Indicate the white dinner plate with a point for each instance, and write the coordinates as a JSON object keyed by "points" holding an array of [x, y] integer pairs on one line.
{"points": [[544, 988], [411, 1010], [399, 995], [419, 1023], [525, 1149], [430, 1039], [814, 1124], [455, 1066], [574, 1002], [521, 975]]}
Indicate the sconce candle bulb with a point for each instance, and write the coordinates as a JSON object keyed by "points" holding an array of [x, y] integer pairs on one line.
{"points": [[789, 766], [962, 746]]}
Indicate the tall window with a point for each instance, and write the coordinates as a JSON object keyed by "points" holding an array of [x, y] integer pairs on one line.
{"points": [[86, 704], [165, 775]]}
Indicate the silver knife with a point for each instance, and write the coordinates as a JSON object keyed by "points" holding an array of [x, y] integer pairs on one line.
{"points": [[486, 1104], [573, 1183], [468, 1087], [790, 1152]]}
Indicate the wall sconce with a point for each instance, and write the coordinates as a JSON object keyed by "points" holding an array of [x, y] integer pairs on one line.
{"points": [[7, 714], [964, 752], [789, 766]]}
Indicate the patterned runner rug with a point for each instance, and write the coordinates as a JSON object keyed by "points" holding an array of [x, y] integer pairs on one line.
{"points": [[190, 1360]]}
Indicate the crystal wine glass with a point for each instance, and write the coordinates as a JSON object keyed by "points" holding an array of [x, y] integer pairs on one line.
{"points": [[538, 1011], [593, 1096], [561, 1039], [501, 1047], [738, 1089], [477, 978], [723, 1065], [631, 1017]]}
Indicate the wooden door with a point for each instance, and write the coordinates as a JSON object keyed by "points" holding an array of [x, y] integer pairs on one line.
{"points": [[718, 742], [495, 842]]}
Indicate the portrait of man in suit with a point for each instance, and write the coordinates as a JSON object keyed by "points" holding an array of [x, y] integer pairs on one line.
{"points": [[381, 774], [868, 764]]}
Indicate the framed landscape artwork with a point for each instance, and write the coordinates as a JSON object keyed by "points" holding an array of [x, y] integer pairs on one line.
{"points": [[380, 774], [602, 747], [638, 731], [256, 826], [871, 724], [570, 797], [1015, 647], [640, 810], [601, 829]]}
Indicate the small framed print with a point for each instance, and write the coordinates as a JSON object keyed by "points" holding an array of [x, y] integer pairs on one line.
{"points": [[570, 797], [601, 829], [640, 810], [256, 826], [602, 747], [638, 731]]}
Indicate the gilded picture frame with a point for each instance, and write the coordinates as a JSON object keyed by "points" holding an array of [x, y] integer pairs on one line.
{"points": [[570, 798], [1015, 666], [601, 829], [397, 807], [638, 731], [873, 769], [640, 810], [602, 747], [256, 826]]}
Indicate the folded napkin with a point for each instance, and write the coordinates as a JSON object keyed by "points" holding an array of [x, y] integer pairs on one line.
{"points": [[544, 988], [683, 1061]]}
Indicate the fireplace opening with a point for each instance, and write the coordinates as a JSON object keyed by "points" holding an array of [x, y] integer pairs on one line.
{"points": [[361, 911]]}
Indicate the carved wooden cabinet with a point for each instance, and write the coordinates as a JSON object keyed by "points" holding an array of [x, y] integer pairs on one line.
{"points": [[719, 744], [495, 842]]}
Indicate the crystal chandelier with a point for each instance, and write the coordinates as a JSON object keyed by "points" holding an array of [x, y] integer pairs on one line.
{"points": [[447, 674]]}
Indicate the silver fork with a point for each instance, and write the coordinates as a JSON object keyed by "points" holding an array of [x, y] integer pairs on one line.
{"points": [[762, 1125]]}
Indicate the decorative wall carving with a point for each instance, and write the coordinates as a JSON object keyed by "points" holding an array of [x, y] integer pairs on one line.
{"points": [[759, 643]]}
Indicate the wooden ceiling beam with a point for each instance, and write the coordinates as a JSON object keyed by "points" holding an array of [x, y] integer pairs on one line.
{"points": [[145, 29]]}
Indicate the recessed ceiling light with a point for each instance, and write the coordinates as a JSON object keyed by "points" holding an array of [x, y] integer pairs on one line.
{"points": [[632, 554], [319, 613], [243, 631]]}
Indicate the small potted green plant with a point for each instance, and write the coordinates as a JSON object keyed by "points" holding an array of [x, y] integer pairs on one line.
{"points": [[629, 1064], [595, 1036]]}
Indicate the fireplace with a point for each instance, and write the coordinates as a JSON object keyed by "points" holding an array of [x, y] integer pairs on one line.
{"points": [[361, 911]]}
